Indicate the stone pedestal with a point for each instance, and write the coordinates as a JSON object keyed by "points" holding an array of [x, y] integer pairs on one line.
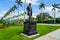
{"points": [[30, 28]]}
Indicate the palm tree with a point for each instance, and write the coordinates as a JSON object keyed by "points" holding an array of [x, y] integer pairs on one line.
{"points": [[24, 10], [19, 3], [54, 9], [41, 6], [9, 11], [14, 8]]}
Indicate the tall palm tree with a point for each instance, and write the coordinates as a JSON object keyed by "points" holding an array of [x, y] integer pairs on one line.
{"points": [[14, 8], [41, 6], [19, 3], [9, 11], [54, 9], [24, 10]]}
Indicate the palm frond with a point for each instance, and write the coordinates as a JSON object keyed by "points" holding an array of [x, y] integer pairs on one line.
{"points": [[42, 5], [11, 10], [58, 7], [19, 2]]}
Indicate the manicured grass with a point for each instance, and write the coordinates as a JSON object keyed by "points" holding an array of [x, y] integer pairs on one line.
{"points": [[14, 32], [0, 23]]}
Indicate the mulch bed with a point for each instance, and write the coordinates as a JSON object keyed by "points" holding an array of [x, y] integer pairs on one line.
{"points": [[19, 24], [1, 26]]}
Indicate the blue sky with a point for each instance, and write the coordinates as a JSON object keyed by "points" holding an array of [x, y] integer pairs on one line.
{"points": [[5, 5]]}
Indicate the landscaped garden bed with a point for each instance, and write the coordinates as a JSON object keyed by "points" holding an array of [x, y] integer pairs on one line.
{"points": [[1, 26]]}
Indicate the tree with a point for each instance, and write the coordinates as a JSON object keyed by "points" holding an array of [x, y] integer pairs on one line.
{"points": [[9, 11], [41, 6], [54, 9], [19, 3], [45, 16], [57, 20]]}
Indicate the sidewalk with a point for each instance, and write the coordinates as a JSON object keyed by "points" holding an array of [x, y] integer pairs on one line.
{"points": [[49, 24], [55, 35]]}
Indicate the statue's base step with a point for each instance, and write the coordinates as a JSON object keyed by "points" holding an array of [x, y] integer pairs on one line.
{"points": [[30, 36]]}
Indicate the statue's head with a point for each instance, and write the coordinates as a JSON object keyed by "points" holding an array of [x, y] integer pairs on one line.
{"points": [[29, 4]]}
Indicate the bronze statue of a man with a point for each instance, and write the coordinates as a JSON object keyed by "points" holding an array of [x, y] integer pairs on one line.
{"points": [[30, 25], [29, 10]]}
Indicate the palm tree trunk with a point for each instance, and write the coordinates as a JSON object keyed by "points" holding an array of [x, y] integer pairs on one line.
{"points": [[24, 16], [24, 10], [54, 17], [18, 13], [41, 16]]}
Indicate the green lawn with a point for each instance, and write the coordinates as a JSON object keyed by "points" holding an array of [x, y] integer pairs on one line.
{"points": [[14, 32], [0, 24]]}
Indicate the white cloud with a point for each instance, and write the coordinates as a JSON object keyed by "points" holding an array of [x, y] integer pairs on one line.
{"points": [[2, 14], [33, 2], [15, 14], [36, 12], [47, 9], [34, 15]]}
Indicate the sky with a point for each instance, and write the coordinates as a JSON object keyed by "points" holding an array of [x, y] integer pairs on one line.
{"points": [[5, 5]]}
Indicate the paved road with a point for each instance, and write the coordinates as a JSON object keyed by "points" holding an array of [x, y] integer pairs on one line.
{"points": [[55, 35]]}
